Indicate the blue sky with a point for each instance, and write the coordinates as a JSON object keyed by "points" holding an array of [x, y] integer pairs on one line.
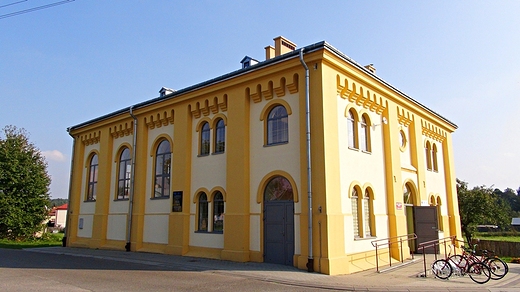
{"points": [[70, 63]]}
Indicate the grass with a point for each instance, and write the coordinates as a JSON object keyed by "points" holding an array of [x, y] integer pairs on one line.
{"points": [[51, 239]]}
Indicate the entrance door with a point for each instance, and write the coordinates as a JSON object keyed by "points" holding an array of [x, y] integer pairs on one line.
{"points": [[279, 232], [425, 225], [278, 222]]}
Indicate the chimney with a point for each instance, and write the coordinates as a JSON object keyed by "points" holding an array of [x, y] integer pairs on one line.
{"points": [[371, 68], [281, 46], [165, 91]]}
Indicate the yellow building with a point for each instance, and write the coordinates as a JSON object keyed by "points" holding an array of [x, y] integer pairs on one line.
{"points": [[303, 159]]}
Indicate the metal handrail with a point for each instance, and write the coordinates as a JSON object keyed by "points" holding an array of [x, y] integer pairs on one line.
{"points": [[388, 242]]}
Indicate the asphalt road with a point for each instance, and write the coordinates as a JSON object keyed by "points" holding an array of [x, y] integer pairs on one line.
{"points": [[30, 271]]}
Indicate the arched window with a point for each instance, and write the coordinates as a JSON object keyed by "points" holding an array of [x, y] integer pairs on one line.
{"points": [[124, 175], [278, 189], [352, 130], [218, 212], [434, 158], [368, 215], [364, 134], [428, 156], [204, 139], [163, 159], [277, 126], [203, 212], [220, 136], [407, 195], [92, 178], [439, 215], [355, 212]]}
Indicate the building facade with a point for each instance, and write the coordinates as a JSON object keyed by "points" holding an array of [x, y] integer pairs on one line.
{"points": [[303, 159]]}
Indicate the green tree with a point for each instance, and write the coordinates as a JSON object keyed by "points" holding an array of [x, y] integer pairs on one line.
{"points": [[24, 185], [481, 205]]}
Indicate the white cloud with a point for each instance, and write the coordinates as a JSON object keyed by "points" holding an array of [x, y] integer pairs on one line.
{"points": [[54, 155]]}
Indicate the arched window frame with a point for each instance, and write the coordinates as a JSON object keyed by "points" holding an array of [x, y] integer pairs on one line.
{"points": [[440, 224], [92, 176], [124, 173], [428, 150], [352, 129], [357, 219], [434, 157], [202, 221], [277, 125], [365, 138], [220, 136], [162, 169], [408, 195], [218, 212], [368, 214], [205, 136]]}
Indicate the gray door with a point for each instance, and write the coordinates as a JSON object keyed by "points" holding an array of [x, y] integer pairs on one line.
{"points": [[425, 225], [279, 232]]}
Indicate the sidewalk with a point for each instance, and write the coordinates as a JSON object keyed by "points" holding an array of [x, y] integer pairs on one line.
{"points": [[404, 278]]}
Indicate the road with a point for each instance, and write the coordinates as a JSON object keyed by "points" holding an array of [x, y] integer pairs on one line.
{"points": [[22, 270]]}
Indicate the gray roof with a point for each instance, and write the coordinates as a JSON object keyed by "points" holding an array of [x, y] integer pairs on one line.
{"points": [[275, 60]]}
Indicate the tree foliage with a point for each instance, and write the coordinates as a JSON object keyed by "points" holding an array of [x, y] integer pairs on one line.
{"points": [[481, 206], [24, 185]]}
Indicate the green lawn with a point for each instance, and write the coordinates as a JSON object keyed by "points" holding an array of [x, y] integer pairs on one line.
{"points": [[52, 240], [500, 238]]}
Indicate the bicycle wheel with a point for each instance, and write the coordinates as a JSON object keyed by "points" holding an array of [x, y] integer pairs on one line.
{"points": [[479, 273], [497, 267], [460, 262], [442, 269]]}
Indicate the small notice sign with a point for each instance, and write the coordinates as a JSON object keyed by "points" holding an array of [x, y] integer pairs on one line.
{"points": [[177, 201]]}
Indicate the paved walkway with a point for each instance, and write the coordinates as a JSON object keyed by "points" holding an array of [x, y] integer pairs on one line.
{"points": [[404, 278]]}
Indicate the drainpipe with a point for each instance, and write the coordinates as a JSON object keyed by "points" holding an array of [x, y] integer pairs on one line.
{"points": [[132, 183], [310, 262], [69, 206]]}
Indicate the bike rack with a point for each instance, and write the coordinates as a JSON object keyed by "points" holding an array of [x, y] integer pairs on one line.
{"points": [[435, 244], [388, 242]]}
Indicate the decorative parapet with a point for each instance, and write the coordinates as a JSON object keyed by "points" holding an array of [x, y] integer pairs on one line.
{"points": [[90, 138], [121, 130], [269, 90], [432, 131], [404, 117], [348, 89], [209, 105], [158, 120]]}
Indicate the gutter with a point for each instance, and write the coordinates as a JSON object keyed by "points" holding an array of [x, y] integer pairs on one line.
{"points": [[132, 184], [310, 260], [69, 206]]}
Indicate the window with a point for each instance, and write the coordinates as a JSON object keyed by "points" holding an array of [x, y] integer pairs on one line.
{"points": [[407, 195], [364, 134], [439, 215], [92, 178], [428, 156], [278, 189], [355, 212], [220, 136], [277, 126], [368, 215], [124, 175], [203, 212], [218, 212], [163, 159], [434, 158], [204, 139], [352, 130]]}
